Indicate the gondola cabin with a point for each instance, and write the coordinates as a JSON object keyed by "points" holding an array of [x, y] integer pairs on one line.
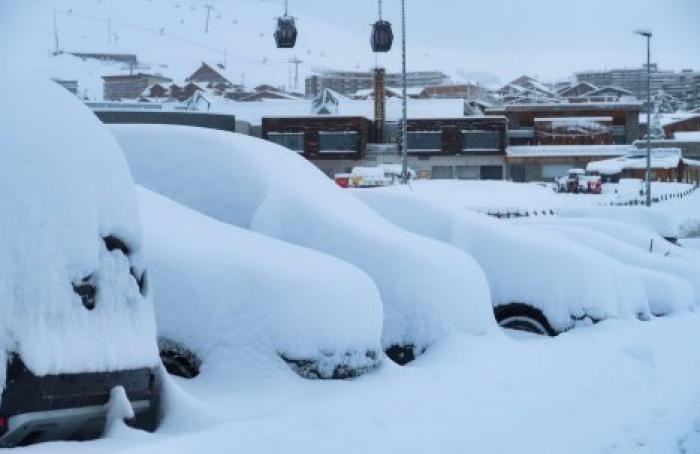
{"points": [[286, 33], [382, 36]]}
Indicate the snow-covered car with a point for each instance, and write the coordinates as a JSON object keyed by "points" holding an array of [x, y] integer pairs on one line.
{"points": [[76, 319], [221, 288], [427, 288], [541, 281], [671, 274]]}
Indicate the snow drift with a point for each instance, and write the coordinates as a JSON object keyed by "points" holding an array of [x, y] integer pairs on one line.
{"points": [[214, 281], [69, 221], [428, 288]]}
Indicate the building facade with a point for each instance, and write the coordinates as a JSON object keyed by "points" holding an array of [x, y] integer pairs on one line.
{"points": [[571, 123], [349, 82], [130, 86], [680, 85]]}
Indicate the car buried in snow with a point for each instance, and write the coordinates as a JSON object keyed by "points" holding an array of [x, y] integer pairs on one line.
{"points": [[580, 181], [546, 282], [219, 286], [77, 320], [428, 288]]}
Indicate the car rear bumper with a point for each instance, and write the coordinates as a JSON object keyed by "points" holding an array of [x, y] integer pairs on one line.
{"points": [[70, 406]]}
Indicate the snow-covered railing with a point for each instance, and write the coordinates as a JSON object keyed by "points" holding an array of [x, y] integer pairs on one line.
{"points": [[659, 199], [516, 213]]}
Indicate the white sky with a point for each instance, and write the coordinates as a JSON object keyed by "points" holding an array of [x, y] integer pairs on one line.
{"points": [[548, 38]]}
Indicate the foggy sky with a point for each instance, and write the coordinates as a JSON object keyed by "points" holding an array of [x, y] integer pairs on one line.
{"points": [[547, 38]]}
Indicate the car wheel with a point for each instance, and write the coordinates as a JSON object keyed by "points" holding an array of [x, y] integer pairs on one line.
{"points": [[523, 317]]}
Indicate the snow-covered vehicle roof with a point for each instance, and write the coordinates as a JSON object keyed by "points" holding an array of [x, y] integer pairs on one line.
{"points": [[219, 287], [671, 276], [567, 282], [73, 295], [428, 288]]}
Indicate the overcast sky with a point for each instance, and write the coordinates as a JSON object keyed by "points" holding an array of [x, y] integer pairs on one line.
{"points": [[548, 38]]}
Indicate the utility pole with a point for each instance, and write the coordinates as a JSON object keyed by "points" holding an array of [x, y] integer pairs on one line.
{"points": [[404, 119], [57, 49], [647, 35], [208, 7], [296, 62]]}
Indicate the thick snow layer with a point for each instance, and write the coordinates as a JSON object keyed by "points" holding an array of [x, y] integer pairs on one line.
{"points": [[672, 277], [616, 387], [652, 220], [64, 186], [428, 288], [559, 277], [214, 284]]}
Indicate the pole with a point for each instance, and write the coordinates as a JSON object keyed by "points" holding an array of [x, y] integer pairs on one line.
{"points": [[209, 8], [57, 49], [648, 175], [404, 120]]}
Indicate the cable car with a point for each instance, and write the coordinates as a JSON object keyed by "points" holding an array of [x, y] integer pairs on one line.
{"points": [[382, 37], [286, 33]]}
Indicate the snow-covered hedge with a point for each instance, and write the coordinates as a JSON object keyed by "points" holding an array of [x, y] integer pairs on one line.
{"points": [[69, 219], [428, 288], [217, 286], [563, 279]]}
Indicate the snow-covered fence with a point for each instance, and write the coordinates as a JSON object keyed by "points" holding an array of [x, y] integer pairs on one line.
{"points": [[516, 213], [659, 199]]}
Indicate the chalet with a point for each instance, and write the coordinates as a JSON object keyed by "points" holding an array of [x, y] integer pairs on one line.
{"points": [[667, 164], [580, 89], [548, 162], [691, 123], [130, 86], [211, 77], [623, 124], [526, 85], [609, 94]]}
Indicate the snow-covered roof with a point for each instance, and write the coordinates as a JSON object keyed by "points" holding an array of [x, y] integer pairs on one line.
{"points": [[661, 158], [573, 119], [687, 136], [527, 151]]}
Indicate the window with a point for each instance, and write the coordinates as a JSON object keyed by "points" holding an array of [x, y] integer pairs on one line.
{"points": [[491, 172], [338, 142], [292, 140], [425, 141], [481, 140], [467, 172], [443, 172]]}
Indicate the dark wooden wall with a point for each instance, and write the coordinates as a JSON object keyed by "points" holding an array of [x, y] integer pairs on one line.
{"points": [[311, 126]]}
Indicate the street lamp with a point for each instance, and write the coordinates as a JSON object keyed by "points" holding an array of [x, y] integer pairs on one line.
{"points": [[404, 121], [647, 35]]}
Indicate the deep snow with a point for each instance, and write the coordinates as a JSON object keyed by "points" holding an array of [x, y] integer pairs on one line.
{"points": [[64, 187], [217, 286], [428, 288], [616, 387]]}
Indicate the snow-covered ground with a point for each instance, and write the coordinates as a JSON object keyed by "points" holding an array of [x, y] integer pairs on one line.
{"points": [[617, 387]]}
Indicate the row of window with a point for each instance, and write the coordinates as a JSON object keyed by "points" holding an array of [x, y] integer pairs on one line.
{"points": [[418, 141], [329, 142]]}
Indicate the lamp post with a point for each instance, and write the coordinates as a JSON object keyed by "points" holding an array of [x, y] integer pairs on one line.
{"points": [[647, 35], [404, 122]]}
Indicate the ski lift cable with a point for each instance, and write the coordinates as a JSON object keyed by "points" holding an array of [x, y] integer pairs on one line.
{"points": [[278, 63]]}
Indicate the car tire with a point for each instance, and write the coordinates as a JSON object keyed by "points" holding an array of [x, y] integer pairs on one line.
{"points": [[523, 317]]}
